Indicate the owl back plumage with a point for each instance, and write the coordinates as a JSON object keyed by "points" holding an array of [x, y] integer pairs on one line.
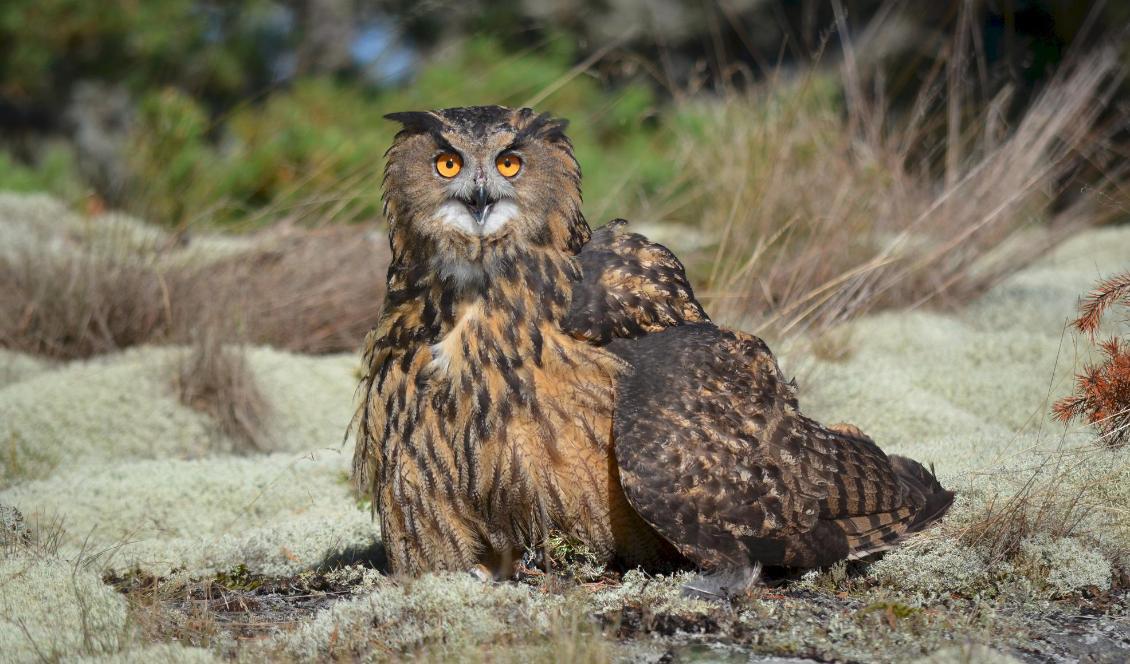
{"points": [[715, 455]]}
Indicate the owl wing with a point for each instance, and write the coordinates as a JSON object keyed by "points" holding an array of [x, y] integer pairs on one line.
{"points": [[714, 454], [631, 286]]}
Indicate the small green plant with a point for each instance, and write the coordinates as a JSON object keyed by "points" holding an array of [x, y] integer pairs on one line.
{"points": [[572, 558], [239, 578]]}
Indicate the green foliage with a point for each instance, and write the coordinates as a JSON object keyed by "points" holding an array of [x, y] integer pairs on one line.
{"points": [[314, 150], [239, 578], [46, 44], [55, 171], [572, 558], [170, 154]]}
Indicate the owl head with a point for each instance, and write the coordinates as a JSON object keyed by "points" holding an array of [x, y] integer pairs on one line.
{"points": [[466, 188]]}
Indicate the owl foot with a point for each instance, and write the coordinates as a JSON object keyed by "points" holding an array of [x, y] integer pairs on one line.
{"points": [[481, 573], [723, 586]]}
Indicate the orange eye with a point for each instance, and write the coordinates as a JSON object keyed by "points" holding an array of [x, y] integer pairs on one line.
{"points": [[508, 164], [449, 164]]}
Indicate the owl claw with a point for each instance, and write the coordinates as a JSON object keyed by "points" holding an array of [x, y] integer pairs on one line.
{"points": [[481, 573]]}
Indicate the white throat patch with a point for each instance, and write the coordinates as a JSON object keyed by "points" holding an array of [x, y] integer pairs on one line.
{"points": [[456, 215]]}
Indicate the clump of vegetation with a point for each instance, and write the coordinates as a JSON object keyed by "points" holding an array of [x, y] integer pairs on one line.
{"points": [[1102, 390], [92, 286], [219, 50], [78, 306], [820, 212], [571, 558], [54, 170], [214, 378]]}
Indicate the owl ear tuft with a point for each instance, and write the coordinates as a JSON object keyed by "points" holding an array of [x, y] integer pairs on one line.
{"points": [[417, 122], [543, 126]]}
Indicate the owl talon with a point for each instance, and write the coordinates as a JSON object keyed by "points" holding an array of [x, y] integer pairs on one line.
{"points": [[481, 573]]}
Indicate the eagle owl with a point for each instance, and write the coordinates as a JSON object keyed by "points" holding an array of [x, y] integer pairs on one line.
{"points": [[529, 376]]}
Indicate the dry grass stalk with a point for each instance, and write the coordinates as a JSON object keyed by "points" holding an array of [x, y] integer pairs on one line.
{"points": [[214, 378], [1065, 495], [302, 290], [816, 223], [80, 305]]}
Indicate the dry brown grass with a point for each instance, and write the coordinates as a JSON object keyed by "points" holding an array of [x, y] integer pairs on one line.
{"points": [[78, 305], [214, 378], [820, 213], [303, 290], [1050, 500]]}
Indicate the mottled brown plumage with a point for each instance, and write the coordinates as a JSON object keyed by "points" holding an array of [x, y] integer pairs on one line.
{"points": [[527, 376]]}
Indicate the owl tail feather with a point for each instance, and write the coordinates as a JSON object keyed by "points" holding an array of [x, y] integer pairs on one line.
{"points": [[936, 501], [875, 533]]}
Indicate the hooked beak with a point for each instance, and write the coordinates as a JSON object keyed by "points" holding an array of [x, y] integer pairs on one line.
{"points": [[479, 204]]}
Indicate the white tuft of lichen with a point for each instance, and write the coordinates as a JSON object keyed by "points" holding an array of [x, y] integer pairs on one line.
{"points": [[660, 593], [165, 653], [44, 226], [438, 614], [931, 568], [275, 514], [1064, 565], [51, 608], [968, 653], [15, 367], [124, 406]]}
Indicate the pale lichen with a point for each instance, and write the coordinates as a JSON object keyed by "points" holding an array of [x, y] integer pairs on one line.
{"points": [[124, 407], [51, 608], [932, 568], [278, 513], [165, 653], [968, 653], [45, 226], [15, 367], [1064, 565], [441, 615]]}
